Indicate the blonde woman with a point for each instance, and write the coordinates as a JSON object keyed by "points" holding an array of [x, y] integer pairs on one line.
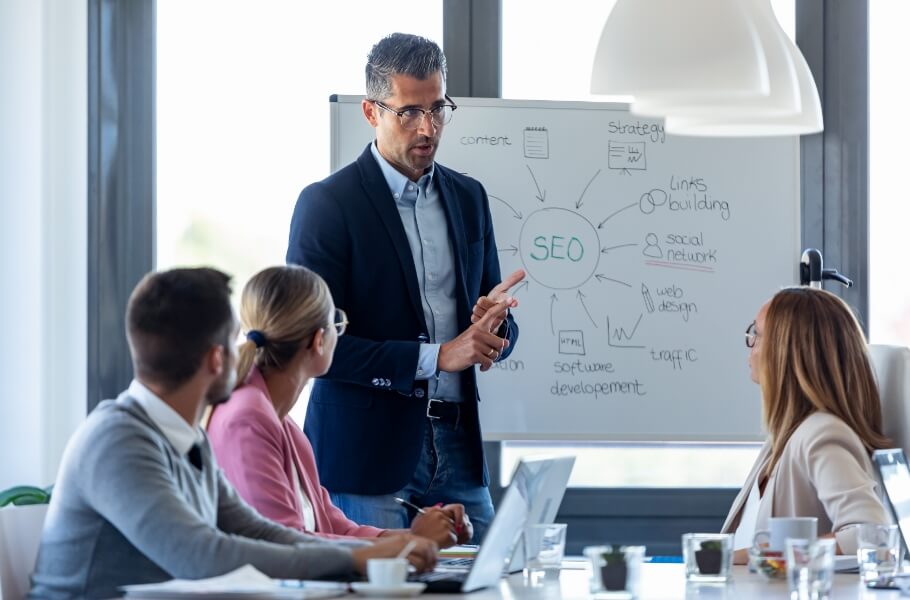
{"points": [[821, 408], [291, 327]]}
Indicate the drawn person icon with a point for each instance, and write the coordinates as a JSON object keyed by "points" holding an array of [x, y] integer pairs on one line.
{"points": [[652, 247]]}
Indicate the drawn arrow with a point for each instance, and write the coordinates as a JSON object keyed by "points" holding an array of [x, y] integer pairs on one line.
{"points": [[602, 278], [581, 298], [523, 284], [607, 250], [553, 299], [580, 201], [601, 224], [515, 213], [513, 249], [540, 195]]}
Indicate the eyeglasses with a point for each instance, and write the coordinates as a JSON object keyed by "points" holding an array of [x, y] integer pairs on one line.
{"points": [[751, 334], [412, 118], [340, 321]]}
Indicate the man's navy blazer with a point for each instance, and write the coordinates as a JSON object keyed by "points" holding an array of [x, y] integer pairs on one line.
{"points": [[367, 416]]}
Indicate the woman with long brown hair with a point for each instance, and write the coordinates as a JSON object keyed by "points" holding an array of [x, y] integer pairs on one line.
{"points": [[821, 407], [292, 327]]}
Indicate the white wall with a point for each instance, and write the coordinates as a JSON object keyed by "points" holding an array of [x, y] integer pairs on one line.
{"points": [[43, 90]]}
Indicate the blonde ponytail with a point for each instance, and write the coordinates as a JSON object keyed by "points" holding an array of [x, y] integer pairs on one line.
{"points": [[246, 356], [285, 306]]}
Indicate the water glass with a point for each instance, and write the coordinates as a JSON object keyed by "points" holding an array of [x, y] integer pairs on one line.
{"points": [[615, 570], [810, 568], [545, 547], [708, 556], [878, 551]]}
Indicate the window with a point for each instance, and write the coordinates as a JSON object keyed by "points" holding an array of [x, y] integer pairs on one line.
{"points": [[547, 51], [889, 209], [243, 117]]}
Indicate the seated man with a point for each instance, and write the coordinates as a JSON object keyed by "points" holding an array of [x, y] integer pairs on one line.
{"points": [[140, 498]]}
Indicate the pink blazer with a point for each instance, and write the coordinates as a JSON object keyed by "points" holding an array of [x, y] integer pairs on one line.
{"points": [[258, 454]]}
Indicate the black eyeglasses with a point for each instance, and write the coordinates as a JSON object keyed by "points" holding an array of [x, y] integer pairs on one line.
{"points": [[751, 334], [411, 118]]}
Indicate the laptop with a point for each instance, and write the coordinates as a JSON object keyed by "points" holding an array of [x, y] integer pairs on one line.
{"points": [[533, 495], [895, 477]]}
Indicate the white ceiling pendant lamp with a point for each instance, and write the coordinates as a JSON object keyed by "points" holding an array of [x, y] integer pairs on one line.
{"points": [[703, 81], [792, 107], [680, 50], [783, 98], [806, 121]]}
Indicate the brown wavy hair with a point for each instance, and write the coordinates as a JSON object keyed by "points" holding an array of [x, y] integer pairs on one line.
{"points": [[814, 358], [288, 305]]}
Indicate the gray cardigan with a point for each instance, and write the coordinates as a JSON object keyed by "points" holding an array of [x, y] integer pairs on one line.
{"points": [[128, 509]]}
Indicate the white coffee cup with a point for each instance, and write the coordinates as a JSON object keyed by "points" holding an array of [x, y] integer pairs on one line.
{"points": [[387, 572], [781, 528]]}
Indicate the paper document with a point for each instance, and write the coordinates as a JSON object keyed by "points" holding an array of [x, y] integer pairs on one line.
{"points": [[846, 563], [245, 582]]}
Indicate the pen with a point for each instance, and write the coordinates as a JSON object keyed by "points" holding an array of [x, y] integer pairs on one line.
{"points": [[421, 511], [407, 504]]}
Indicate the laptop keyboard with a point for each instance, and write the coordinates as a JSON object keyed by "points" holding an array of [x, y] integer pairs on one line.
{"points": [[456, 562], [432, 576]]}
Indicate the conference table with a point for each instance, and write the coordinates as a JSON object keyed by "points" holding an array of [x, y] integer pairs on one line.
{"points": [[666, 581]]}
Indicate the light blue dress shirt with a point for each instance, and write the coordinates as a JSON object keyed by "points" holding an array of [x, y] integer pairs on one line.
{"points": [[420, 207]]}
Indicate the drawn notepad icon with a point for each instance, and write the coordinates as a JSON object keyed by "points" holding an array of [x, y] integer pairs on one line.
{"points": [[537, 142]]}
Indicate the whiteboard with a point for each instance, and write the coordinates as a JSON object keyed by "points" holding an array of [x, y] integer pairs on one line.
{"points": [[648, 255]]}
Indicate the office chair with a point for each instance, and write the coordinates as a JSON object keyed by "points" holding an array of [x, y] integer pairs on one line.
{"points": [[20, 536], [892, 369]]}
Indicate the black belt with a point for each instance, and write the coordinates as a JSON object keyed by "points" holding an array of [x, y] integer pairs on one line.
{"points": [[447, 412]]}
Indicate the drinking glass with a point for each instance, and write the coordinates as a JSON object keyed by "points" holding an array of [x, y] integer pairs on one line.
{"points": [[878, 551], [810, 568], [545, 547]]}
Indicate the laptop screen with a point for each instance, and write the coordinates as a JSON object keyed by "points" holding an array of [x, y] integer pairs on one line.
{"points": [[895, 476]]}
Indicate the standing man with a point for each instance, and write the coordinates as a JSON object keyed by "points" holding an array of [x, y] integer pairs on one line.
{"points": [[406, 246], [139, 497]]}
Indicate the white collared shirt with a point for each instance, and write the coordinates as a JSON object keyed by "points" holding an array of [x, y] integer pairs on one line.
{"points": [[177, 431], [746, 531]]}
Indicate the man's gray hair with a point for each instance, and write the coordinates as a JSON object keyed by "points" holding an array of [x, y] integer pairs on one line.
{"points": [[401, 54]]}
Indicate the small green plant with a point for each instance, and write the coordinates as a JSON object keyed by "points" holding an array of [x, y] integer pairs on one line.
{"points": [[712, 545], [23, 495], [613, 555]]}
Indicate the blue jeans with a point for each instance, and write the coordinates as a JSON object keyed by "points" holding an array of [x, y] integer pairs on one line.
{"points": [[440, 476]]}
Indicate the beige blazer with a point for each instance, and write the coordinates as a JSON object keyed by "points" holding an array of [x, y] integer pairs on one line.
{"points": [[824, 472]]}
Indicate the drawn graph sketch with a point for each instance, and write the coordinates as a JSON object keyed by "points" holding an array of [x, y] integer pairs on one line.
{"points": [[627, 156]]}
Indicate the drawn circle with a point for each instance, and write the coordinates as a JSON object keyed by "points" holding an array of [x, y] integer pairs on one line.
{"points": [[559, 248], [651, 200]]}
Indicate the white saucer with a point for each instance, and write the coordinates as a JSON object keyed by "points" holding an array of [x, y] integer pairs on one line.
{"points": [[408, 588]]}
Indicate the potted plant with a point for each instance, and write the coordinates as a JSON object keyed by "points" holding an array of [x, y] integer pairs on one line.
{"points": [[614, 571], [709, 557]]}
